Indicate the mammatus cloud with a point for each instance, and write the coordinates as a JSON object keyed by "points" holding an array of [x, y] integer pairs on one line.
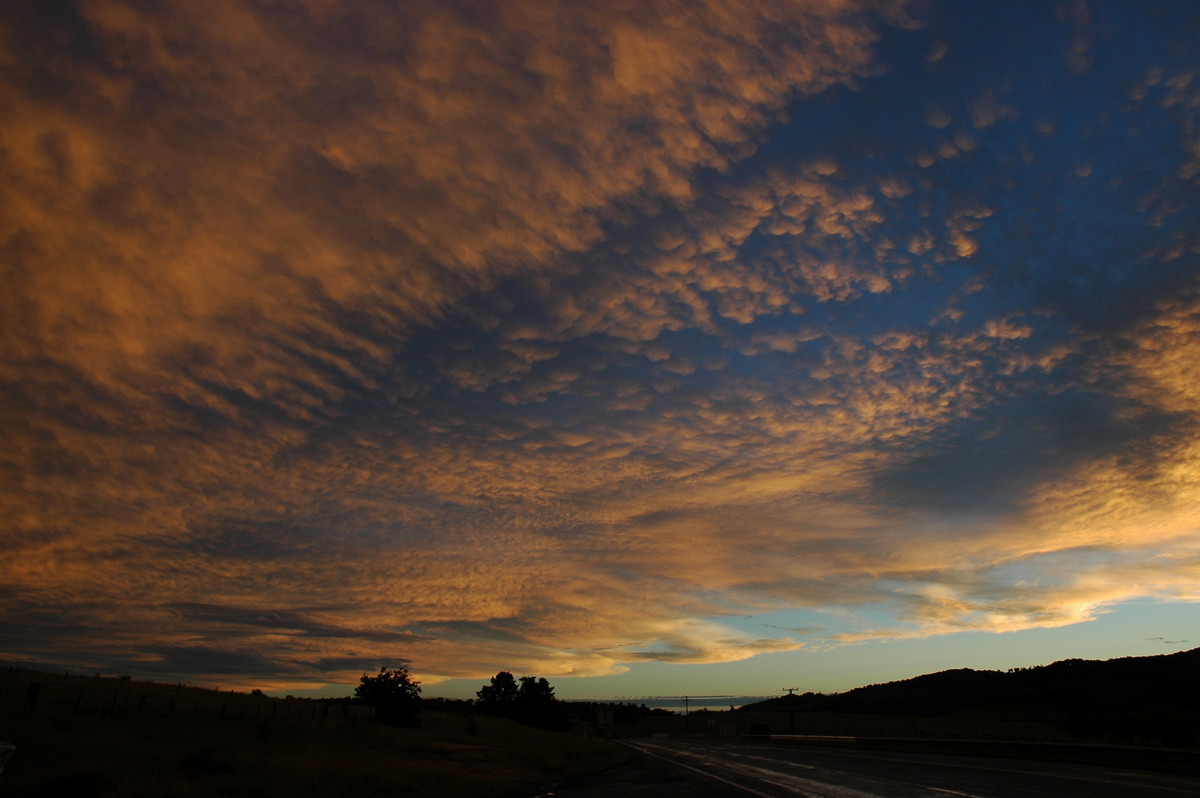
{"points": [[542, 338]]}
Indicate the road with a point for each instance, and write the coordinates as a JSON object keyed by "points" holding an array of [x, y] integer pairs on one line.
{"points": [[767, 770]]}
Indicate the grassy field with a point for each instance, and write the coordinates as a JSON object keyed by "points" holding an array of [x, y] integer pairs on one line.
{"points": [[84, 736]]}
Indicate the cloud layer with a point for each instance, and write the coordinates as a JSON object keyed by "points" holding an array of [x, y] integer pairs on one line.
{"points": [[539, 337]]}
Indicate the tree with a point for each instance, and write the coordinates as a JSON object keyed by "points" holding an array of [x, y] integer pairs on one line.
{"points": [[532, 701], [535, 692], [501, 692], [537, 706], [395, 695]]}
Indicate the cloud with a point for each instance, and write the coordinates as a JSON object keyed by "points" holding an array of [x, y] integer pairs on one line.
{"points": [[224, 191], [540, 337]]}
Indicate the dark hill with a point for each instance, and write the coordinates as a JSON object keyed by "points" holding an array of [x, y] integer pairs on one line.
{"points": [[1156, 696]]}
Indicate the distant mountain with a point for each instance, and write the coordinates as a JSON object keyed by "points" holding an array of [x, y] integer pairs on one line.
{"points": [[1158, 693]]}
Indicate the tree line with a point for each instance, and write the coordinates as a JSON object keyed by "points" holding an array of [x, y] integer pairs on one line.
{"points": [[396, 697]]}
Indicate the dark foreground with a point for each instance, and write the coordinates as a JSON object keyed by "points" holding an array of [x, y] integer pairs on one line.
{"points": [[675, 768]]}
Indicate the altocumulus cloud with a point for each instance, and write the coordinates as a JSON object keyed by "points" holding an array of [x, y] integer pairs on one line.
{"points": [[543, 337]]}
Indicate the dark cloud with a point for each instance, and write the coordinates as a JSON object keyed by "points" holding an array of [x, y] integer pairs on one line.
{"points": [[285, 622], [366, 665], [990, 466], [210, 660]]}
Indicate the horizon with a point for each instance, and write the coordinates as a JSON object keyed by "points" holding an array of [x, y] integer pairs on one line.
{"points": [[648, 349], [681, 701], [675, 703]]}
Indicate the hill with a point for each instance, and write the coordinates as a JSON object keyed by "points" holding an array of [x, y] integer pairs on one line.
{"points": [[1155, 698]]}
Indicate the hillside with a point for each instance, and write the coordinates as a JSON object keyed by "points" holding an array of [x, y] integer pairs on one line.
{"points": [[95, 736], [1151, 698]]}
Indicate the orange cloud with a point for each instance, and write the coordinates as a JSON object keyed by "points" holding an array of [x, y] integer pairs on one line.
{"points": [[224, 225], [475, 337]]}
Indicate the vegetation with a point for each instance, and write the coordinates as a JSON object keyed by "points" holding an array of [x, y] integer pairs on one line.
{"points": [[85, 736], [531, 702], [394, 694], [122, 738]]}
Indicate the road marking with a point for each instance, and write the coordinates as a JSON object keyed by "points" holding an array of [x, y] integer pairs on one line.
{"points": [[741, 787], [953, 792], [773, 776], [775, 761]]}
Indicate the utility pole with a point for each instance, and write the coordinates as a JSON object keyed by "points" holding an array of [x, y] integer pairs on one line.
{"points": [[792, 706]]}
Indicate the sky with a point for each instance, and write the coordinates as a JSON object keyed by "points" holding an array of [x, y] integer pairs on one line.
{"points": [[655, 347]]}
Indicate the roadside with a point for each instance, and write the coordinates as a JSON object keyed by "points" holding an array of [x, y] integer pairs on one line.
{"points": [[642, 776]]}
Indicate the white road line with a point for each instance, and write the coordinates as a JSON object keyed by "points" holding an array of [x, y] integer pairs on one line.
{"points": [[775, 761], [793, 785], [701, 772]]}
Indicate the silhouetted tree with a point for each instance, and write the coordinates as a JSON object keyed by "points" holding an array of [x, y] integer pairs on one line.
{"points": [[537, 705], [395, 695], [534, 691], [532, 701], [501, 692]]}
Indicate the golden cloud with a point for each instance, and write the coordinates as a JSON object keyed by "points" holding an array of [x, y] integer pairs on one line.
{"points": [[225, 224], [270, 389]]}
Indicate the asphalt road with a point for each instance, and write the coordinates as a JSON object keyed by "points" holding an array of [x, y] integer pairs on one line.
{"points": [[678, 768]]}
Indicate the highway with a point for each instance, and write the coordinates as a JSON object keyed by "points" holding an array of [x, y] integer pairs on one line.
{"points": [[771, 770]]}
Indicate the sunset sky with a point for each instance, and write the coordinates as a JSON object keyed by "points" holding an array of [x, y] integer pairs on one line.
{"points": [[704, 346]]}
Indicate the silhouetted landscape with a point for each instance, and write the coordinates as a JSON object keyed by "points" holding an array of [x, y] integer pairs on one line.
{"points": [[118, 737], [1132, 700], [115, 736]]}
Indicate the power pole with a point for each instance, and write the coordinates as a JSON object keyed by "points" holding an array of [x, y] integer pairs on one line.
{"points": [[792, 707]]}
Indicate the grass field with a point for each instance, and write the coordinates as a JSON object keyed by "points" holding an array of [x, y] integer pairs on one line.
{"points": [[83, 736]]}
